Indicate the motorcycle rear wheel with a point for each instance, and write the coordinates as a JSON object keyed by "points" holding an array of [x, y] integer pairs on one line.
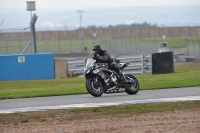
{"points": [[134, 88], [94, 91]]}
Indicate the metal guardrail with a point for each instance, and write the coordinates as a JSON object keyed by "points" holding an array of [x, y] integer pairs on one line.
{"points": [[76, 66], [138, 65]]}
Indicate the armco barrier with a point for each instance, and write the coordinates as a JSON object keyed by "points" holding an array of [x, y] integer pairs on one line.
{"points": [[76, 66], [138, 65], [26, 67]]}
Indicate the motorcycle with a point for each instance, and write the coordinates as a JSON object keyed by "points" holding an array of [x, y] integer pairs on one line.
{"points": [[99, 79]]}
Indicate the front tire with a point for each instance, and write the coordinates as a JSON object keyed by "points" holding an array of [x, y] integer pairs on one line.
{"points": [[133, 89], [96, 92]]}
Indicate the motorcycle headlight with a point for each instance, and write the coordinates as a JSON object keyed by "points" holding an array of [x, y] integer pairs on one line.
{"points": [[85, 69]]}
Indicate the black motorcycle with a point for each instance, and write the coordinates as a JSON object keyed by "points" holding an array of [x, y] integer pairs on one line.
{"points": [[99, 79]]}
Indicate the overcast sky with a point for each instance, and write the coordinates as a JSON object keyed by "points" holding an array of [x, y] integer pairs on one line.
{"points": [[82, 4]]}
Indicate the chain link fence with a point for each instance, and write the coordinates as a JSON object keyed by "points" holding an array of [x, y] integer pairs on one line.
{"points": [[115, 46], [123, 46], [191, 49]]}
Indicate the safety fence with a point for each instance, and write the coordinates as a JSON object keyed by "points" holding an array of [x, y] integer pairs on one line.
{"points": [[138, 65], [115, 46]]}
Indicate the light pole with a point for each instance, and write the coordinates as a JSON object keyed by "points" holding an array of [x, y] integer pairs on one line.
{"points": [[30, 6], [80, 14], [0, 34], [80, 28]]}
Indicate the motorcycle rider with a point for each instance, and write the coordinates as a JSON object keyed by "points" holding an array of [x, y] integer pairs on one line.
{"points": [[102, 56]]}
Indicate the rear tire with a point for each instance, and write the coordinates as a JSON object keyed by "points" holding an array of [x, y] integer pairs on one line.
{"points": [[96, 92], [134, 88]]}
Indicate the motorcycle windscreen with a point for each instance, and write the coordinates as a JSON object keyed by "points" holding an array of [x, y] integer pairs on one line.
{"points": [[88, 64]]}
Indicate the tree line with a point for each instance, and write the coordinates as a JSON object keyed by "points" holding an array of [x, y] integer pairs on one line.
{"points": [[122, 26]]}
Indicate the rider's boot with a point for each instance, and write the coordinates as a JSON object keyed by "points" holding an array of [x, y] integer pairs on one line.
{"points": [[122, 77]]}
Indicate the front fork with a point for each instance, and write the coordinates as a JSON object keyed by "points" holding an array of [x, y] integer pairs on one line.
{"points": [[95, 81]]}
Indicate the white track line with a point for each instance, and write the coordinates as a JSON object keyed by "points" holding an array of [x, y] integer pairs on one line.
{"points": [[87, 105]]}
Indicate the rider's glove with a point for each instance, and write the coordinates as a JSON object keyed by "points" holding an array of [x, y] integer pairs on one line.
{"points": [[96, 56]]}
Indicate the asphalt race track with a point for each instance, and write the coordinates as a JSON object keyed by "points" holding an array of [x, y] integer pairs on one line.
{"points": [[86, 100]]}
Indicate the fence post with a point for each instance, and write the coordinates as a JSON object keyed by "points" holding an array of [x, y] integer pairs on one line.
{"points": [[83, 45], [151, 46], [199, 49], [126, 46], [47, 45], [108, 44], [0, 43], [131, 45], [116, 47], [113, 47], [193, 45], [71, 45], [58, 46], [187, 46], [151, 65], [121, 46], [139, 46], [105, 43], [33, 36], [6, 47], [155, 46], [142, 64], [136, 47], [101, 41], [19, 46], [145, 46]]}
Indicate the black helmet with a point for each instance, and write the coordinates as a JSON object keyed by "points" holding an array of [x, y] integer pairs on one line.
{"points": [[96, 47]]}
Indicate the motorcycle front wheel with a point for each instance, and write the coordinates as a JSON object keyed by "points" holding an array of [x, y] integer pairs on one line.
{"points": [[92, 89], [134, 88]]}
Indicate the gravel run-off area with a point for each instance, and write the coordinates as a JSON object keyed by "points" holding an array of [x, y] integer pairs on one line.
{"points": [[184, 121]]}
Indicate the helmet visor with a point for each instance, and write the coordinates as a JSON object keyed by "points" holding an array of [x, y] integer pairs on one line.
{"points": [[97, 51]]}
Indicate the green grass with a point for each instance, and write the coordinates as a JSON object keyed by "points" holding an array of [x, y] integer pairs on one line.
{"points": [[22, 89], [175, 80], [186, 75], [139, 108]]}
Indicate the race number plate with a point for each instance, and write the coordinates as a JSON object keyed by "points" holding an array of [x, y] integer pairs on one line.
{"points": [[96, 71]]}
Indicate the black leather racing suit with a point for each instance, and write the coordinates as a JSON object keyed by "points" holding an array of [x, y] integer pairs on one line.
{"points": [[104, 57]]}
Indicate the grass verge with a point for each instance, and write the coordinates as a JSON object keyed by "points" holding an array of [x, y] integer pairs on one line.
{"points": [[186, 75], [76, 114]]}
